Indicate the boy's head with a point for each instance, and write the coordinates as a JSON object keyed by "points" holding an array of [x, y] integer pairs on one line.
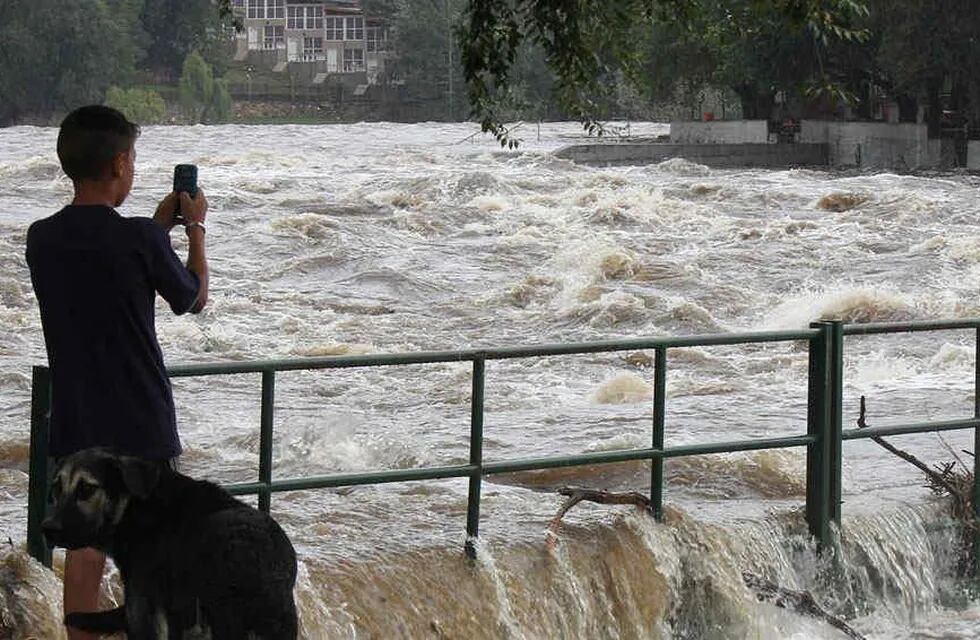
{"points": [[95, 144]]}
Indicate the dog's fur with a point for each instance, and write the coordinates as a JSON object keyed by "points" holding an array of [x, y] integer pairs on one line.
{"points": [[195, 562]]}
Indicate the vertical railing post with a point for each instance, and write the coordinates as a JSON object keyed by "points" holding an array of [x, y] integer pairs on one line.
{"points": [[659, 417], [976, 461], [476, 457], [818, 425], [37, 489], [836, 419], [265, 438]]}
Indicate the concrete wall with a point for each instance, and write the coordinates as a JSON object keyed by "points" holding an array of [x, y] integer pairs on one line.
{"points": [[720, 132], [776, 156], [876, 145], [973, 155]]}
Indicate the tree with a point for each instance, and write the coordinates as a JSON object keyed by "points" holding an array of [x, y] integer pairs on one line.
{"points": [[49, 60], [196, 87], [203, 98], [926, 50], [176, 28], [424, 35], [425, 38], [757, 55], [143, 106], [221, 103], [586, 41]]}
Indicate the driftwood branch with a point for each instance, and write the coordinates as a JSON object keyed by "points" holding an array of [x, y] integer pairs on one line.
{"points": [[576, 495], [801, 602], [935, 477], [945, 479]]}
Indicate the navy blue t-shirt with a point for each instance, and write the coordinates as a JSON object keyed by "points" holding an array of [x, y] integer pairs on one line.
{"points": [[96, 275]]}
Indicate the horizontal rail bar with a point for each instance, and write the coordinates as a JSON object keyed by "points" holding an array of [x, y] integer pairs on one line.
{"points": [[706, 340], [609, 457], [502, 353], [787, 442], [353, 479], [330, 362], [917, 427], [467, 470], [870, 328], [538, 464]]}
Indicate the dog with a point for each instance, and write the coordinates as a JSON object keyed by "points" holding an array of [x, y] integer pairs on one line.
{"points": [[195, 562]]}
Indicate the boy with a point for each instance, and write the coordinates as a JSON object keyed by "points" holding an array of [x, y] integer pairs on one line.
{"points": [[96, 275]]}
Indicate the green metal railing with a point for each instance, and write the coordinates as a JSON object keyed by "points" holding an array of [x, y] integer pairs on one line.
{"points": [[823, 440]]}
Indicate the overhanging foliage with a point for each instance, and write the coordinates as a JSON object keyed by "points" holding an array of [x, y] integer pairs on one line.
{"points": [[586, 41]]}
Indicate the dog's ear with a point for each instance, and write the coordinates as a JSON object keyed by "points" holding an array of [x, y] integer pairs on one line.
{"points": [[139, 476]]}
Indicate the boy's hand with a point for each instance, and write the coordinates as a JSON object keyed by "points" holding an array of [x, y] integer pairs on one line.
{"points": [[166, 211], [193, 209]]}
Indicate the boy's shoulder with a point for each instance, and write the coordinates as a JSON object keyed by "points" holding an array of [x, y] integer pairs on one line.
{"points": [[60, 225], [39, 228]]}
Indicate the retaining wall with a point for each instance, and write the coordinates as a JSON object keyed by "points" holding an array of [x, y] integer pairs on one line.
{"points": [[720, 132], [776, 156], [876, 145], [973, 155]]}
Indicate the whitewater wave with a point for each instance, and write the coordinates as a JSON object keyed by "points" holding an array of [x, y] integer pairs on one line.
{"points": [[847, 305]]}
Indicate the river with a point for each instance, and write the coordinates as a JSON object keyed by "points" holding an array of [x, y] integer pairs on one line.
{"points": [[374, 238]]}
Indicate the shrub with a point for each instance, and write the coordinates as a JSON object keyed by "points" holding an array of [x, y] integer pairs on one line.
{"points": [[143, 106]]}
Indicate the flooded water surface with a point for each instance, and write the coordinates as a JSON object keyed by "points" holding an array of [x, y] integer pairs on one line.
{"points": [[385, 238]]}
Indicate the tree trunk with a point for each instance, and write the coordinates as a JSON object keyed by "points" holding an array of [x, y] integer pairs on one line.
{"points": [[756, 104], [908, 108], [935, 113]]}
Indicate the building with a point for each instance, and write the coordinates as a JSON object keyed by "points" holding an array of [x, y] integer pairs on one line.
{"points": [[324, 37]]}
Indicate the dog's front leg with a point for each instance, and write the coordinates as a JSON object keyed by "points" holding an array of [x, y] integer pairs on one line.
{"points": [[111, 621], [145, 619]]}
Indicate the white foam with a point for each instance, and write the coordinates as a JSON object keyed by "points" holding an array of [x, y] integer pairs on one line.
{"points": [[965, 249], [626, 388]]}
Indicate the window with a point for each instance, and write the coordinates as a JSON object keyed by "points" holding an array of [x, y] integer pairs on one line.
{"points": [[353, 60], [274, 37], [314, 18], [376, 39], [312, 49], [355, 29], [334, 28], [266, 9], [305, 17]]}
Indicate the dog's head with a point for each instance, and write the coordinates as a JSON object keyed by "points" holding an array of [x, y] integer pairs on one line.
{"points": [[89, 495]]}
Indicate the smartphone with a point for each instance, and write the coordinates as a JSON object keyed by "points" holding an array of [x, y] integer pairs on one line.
{"points": [[185, 179]]}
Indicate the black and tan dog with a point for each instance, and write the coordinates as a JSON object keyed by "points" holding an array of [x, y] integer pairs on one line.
{"points": [[195, 562]]}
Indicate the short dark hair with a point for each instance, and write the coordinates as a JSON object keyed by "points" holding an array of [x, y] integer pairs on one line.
{"points": [[89, 139]]}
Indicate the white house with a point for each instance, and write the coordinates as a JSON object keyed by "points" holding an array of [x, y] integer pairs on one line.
{"points": [[333, 35]]}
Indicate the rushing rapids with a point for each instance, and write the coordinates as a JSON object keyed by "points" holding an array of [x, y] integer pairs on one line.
{"points": [[383, 238]]}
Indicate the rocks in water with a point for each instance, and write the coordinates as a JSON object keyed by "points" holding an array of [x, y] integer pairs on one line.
{"points": [[838, 202]]}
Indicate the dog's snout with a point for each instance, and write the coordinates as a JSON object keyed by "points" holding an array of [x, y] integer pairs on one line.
{"points": [[51, 526]]}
